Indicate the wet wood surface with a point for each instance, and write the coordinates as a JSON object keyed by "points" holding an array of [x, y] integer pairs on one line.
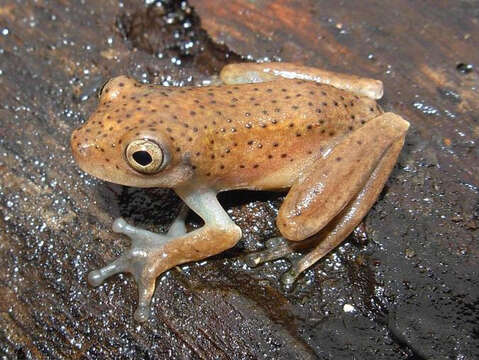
{"points": [[404, 287]]}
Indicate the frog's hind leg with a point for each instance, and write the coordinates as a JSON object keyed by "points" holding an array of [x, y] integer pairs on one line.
{"points": [[254, 73], [345, 223], [330, 201]]}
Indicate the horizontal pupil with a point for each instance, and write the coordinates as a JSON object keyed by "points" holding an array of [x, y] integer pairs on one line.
{"points": [[142, 157]]}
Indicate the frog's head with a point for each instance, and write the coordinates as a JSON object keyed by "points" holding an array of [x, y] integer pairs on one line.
{"points": [[122, 143]]}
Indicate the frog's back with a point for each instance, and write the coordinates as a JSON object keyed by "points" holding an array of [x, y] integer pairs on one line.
{"points": [[247, 132]]}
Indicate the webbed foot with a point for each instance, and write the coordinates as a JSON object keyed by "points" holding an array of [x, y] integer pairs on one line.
{"points": [[145, 260]]}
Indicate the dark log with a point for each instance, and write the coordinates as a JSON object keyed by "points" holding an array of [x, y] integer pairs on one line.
{"points": [[410, 277]]}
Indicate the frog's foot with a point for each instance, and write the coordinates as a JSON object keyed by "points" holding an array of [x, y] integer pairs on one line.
{"points": [[145, 260], [278, 248]]}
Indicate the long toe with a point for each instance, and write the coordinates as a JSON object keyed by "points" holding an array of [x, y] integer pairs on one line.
{"points": [[277, 249], [146, 288], [97, 277]]}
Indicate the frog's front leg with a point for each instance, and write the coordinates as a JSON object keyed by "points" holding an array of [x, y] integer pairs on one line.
{"points": [[253, 73], [330, 200], [152, 254]]}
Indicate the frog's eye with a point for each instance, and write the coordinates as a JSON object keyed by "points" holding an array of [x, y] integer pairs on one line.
{"points": [[144, 156]]}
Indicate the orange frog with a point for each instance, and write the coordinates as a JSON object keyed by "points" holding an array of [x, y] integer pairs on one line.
{"points": [[269, 126]]}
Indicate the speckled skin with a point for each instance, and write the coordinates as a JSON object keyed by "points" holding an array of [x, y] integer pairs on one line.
{"points": [[253, 136], [333, 146]]}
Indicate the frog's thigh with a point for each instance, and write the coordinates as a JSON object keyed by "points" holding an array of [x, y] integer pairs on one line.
{"points": [[253, 73], [333, 182]]}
